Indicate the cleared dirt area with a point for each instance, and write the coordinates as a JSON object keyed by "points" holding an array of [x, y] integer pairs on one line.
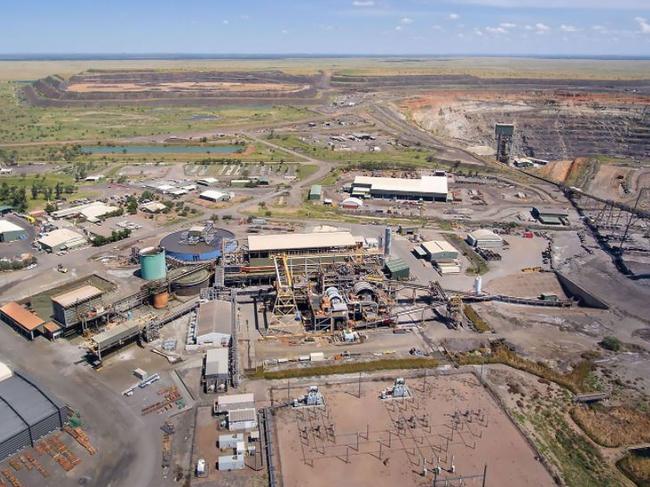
{"points": [[526, 284], [190, 86], [367, 441]]}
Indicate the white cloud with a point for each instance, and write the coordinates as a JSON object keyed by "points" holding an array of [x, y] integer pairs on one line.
{"points": [[598, 28], [363, 3], [496, 30], [226, 22], [528, 27], [284, 31], [541, 28], [643, 24], [406, 20], [568, 28], [478, 32], [454, 16], [399, 27], [507, 25], [573, 4], [437, 27]]}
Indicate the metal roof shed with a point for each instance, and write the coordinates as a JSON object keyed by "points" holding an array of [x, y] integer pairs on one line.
{"points": [[20, 318], [316, 192], [234, 401], [398, 269], [216, 362]]}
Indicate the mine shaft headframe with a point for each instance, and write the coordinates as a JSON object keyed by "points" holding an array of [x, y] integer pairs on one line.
{"points": [[503, 133]]}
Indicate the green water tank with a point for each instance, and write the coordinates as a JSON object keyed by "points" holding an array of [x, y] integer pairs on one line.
{"points": [[152, 264]]}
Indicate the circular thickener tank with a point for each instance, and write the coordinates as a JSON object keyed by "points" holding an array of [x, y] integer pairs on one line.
{"points": [[152, 263], [199, 244], [190, 285]]}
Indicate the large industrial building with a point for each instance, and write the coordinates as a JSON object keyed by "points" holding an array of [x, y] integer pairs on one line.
{"points": [[214, 324], [27, 412], [262, 247], [61, 239], [427, 188], [9, 231], [92, 212], [77, 305]]}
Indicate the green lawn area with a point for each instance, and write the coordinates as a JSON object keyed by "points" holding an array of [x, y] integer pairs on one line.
{"points": [[306, 170], [22, 123]]}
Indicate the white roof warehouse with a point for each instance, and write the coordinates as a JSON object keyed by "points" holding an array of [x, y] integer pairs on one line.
{"points": [[301, 242], [428, 188]]}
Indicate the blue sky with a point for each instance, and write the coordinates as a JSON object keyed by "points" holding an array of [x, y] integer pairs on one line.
{"points": [[592, 27]]}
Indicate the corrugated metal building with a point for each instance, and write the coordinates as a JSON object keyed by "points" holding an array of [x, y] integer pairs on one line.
{"points": [[316, 192], [70, 306], [61, 239], [9, 231], [242, 419], [223, 404], [27, 412], [427, 188], [261, 247], [230, 441], [485, 239], [440, 251], [550, 216], [216, 370], [398, 269], [214, 324], [22, 319], [231, 462]]}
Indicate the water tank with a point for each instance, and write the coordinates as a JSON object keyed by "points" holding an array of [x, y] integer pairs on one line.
{"points": [[152, 263], [160, 300]]}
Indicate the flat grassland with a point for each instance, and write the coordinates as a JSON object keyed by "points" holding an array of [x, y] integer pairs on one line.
{"points": [[489, 67], [20, 123]]}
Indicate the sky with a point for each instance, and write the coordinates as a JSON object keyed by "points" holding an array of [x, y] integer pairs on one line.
{"points": [[395, 27]]}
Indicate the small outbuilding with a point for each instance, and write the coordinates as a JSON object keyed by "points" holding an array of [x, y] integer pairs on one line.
{"points": [[397, 269], [315, 192], [352, 203], [485, 239]]}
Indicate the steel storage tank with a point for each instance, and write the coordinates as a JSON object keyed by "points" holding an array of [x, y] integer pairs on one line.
{"points": [[152, 263], [160, 300], [201, 243]]}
